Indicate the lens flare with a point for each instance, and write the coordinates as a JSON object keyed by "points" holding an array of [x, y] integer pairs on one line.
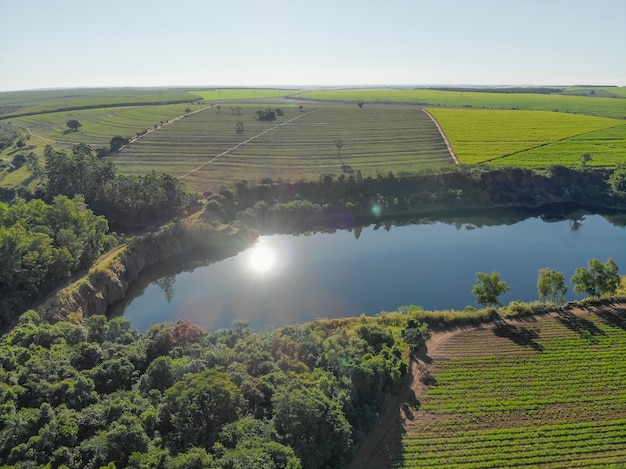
{"points": [[262, 259]]}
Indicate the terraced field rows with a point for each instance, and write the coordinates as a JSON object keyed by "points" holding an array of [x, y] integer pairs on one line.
{"points": [[99, 126], [375, 138], [550, 393]]}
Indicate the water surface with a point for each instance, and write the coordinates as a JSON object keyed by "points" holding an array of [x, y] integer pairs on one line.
{"points": [[286, 279]]}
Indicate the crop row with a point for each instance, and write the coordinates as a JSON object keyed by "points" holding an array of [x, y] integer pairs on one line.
{"points": [[563, 405], [398, 138], [479, 136]]}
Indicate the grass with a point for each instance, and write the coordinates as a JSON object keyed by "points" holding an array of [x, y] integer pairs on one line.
{"points": [[376, 138], [593, 106], [549, 392], [13, 103], [532, 138]]}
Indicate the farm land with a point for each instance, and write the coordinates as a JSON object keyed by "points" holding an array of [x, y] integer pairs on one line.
{"points": [[207, 150], [595, 105], [532, 138], [548, 392]]}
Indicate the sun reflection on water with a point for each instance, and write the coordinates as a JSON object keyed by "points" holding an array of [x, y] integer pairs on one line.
{"points": [[262, 259]]}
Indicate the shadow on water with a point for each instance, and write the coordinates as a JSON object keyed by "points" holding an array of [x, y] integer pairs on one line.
{"points": [[522, 336]]}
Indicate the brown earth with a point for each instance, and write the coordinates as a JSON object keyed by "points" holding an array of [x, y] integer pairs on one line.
{"points": [[383, 445]]}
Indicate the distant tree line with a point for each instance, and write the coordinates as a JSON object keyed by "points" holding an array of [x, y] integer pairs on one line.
{"points": [[506, 90], [344, 199]]}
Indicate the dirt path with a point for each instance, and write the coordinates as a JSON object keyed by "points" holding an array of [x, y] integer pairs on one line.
{"points": [[443, 135], [385, 441], [245, 142]]}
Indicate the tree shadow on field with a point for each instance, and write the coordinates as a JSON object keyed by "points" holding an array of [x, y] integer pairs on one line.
{"points": [[610, 318], [519, 335], [583, 327]]}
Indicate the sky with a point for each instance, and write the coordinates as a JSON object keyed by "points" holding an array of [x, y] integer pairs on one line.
{"points": [[85, 43]]}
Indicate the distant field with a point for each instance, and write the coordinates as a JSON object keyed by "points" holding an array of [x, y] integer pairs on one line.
{"points": [[532, 138], [548, 393], [38, 101], [219, 94], [594, 106], [376, 138], [100, 125]]}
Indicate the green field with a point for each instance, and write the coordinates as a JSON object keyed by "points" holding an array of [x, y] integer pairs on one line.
{"points": [[546, 393], [14, 103], [532, 138], [298, 145], [593, 106], [99, 125]]}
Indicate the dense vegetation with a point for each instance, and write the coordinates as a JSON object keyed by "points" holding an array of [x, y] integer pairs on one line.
{"points": [[100, 393], [42, 245], [345, 200], [44, 241]]}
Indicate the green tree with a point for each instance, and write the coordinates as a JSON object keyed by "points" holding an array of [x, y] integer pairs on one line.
{"points": [[617, 180], [195, 409], [313, 425], [551, 286], [73, 125], [599, 279], [117, 143], [489, 288]]}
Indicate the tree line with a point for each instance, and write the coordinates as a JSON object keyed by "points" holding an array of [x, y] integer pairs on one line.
{"points": [[342, 200], [597, 280]]}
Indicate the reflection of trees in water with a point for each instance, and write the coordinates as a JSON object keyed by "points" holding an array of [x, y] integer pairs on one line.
{"points": [[576, 223], [166, 284]]}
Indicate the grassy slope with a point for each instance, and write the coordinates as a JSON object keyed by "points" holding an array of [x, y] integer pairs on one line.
{"points": [[548, 392]]}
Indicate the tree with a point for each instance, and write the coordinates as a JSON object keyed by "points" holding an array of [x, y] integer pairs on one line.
{"points": [[489, 288], [585, 159], [339, 145], [617, 180], [73, 125], [599, 279], [117, 143], [551, 286]]}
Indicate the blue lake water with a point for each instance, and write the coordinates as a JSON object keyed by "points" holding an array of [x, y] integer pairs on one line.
{"points": [[286, 279]]}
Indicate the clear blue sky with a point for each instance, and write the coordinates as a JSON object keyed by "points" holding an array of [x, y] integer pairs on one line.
{"points": [[70, 43]]}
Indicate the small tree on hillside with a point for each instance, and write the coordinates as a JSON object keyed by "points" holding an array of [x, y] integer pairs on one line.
{"points": [[339, 145], [599, 279], [73, 125], [585, 159], [117, 143], [489, 288], [551, 286]]}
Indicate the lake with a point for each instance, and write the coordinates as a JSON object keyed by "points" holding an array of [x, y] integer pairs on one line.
{"points": [[287, 279]]}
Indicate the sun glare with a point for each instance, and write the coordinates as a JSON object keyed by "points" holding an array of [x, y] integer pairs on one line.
{"points": [[262, 259]]}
